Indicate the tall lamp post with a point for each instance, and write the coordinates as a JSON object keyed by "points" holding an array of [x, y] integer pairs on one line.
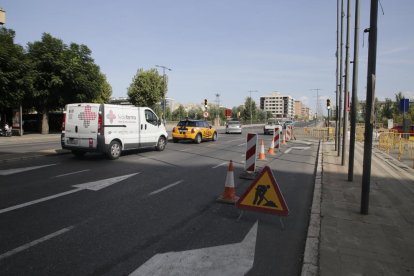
{"points": [[165, 87], [251, 105]]}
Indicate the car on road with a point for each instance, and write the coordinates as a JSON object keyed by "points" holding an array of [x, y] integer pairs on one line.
{"points": [[193, 130], [270, 126], [233, 127]]}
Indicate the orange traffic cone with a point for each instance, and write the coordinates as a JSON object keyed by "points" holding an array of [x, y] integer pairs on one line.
{"points": [[229, 194], [262, 155], [271, 150]]}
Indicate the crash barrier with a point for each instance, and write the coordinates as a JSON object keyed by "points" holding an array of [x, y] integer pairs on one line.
{"points": [[399, 144], [320, 133]]}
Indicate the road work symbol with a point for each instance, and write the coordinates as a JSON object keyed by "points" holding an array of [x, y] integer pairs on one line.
{"points": [[260, 196], [264, 195]]}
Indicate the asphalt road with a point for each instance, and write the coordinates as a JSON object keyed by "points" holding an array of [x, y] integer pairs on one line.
{"points": [[59, 218]]}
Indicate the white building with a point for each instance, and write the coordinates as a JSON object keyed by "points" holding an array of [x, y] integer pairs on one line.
{"points": [[279, 105]]}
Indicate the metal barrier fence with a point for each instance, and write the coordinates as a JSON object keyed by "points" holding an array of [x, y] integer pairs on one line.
{"points": [[319, 133], [401, 144]]}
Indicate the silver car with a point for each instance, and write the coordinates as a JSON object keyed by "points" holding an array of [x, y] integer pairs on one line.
{"points": [[233, 127]]}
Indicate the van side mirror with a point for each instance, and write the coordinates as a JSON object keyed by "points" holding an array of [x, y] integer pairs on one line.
{"points": [[159, 122]]}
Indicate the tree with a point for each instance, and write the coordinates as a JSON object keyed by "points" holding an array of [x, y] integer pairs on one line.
{"points": [[64, 74], [250, 110], [83, 80], [179, 113], [15, 72], [147, 88]]}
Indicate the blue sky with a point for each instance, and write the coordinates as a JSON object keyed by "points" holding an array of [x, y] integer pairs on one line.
{"points": [[226, 47]]}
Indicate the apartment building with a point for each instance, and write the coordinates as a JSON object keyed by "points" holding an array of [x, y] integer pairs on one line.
{"points": [[279, 105]]}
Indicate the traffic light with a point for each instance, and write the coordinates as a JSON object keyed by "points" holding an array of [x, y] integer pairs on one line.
{"points": [[328, 103], [205, 102]]}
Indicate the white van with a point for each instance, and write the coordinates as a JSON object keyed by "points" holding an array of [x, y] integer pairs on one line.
{"points": [[90, 127]]}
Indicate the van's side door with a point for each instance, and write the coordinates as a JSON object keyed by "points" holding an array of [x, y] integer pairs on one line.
{"points": [[149, 129]]}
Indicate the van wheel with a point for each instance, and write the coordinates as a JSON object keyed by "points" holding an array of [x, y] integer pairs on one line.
{"points": [[78, 154], [214, 137], [198, 139], [114, 150], [161, 144]]}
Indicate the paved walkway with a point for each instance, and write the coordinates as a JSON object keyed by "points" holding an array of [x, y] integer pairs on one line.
{"points": [[380, 243]]}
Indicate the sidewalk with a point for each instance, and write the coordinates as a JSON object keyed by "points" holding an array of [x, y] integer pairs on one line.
{"points": [[380, 243]]}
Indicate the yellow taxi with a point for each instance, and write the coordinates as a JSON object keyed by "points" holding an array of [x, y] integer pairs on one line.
{"points": [[194, 130]]}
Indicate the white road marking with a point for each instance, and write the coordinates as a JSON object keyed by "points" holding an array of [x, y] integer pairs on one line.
{"points": [[94, 186], [185, 149], [166, 187], [219, 165], [296, 148], [35, 242], [230, 141], [205, 261], [240, 145], [66, 174], [18, 170]]}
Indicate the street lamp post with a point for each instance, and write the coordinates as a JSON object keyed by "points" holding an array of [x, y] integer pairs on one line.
{"points": [[165, 88], [251, 105]]}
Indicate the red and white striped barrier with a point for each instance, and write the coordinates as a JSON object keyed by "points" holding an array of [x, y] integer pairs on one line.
{"points": [[251, 143], [288, 133], [276, 136]]}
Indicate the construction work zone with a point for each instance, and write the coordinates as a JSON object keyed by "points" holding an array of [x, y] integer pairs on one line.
{"points": [[319, 133], [396, 144]]}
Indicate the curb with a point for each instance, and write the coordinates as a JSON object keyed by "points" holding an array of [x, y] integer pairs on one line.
{"points": [[311, 255], [38, 154]]}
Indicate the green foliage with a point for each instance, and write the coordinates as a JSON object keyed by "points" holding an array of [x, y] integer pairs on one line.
{"points": [[179, 113], [249, 112], [147, 88], [15, 72], [64, 74]]}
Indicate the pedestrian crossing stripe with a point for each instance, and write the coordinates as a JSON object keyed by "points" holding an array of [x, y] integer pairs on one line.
{"points": [[264, 195]]}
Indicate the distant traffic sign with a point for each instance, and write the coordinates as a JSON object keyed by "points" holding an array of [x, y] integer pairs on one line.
{"points": [[264, 195], [205, 114]]}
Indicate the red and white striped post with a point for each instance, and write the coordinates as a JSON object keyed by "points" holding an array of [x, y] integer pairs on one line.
{"points": [[251, 145], [288, 133], [250, 164], [276, 136]]}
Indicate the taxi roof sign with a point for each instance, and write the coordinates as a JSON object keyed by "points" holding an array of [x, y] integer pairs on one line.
{"points": [[264, 195]]}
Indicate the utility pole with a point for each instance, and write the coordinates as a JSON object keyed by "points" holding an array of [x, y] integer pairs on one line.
{"points": [[339, 111], [346, 91], [369, 115], [317, 108], [251, 105], [354, 96], [165, 88], [338, 10]]}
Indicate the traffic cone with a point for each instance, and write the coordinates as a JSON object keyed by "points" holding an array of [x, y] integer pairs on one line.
{"points": [[262, 155], [271, 150], [229, 194]]}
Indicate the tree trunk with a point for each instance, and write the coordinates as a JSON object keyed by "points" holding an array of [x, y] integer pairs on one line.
{"points": [[45, 122]]}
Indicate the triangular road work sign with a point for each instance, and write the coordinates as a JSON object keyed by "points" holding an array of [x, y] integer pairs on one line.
{"points": [[264, 195]]}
